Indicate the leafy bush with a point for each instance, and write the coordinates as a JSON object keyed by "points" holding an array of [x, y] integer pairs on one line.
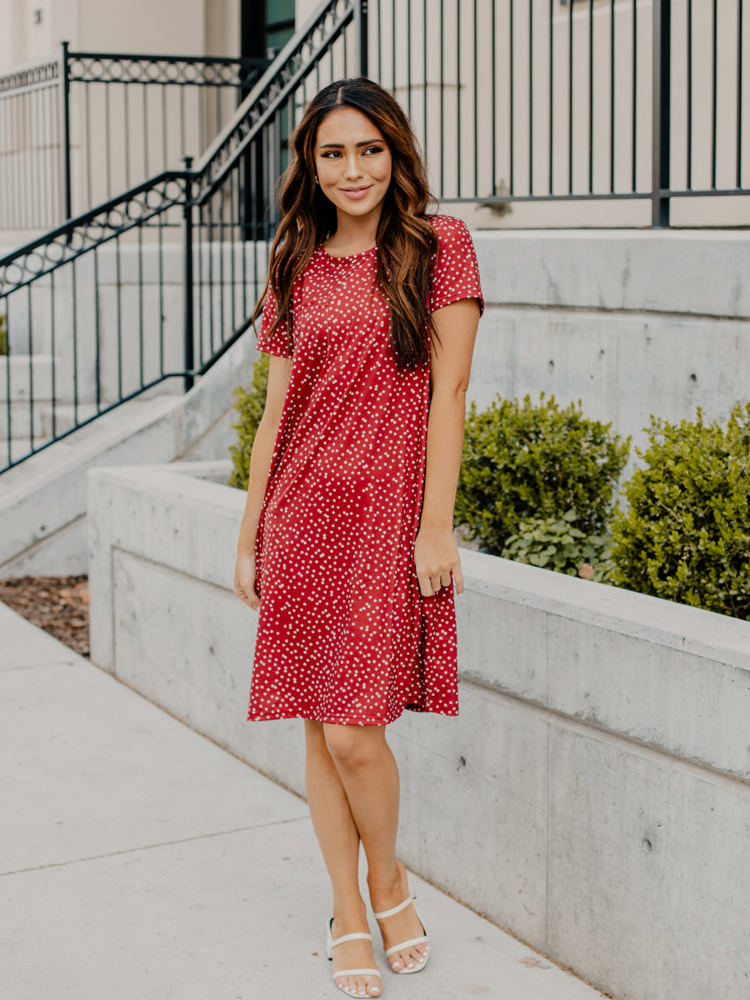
{"points": [[556, 543], [249, 405], [686, 534], [524, 461], [3, 334]]}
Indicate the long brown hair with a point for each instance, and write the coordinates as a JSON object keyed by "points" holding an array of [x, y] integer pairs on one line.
{"points": [[405, 239]]}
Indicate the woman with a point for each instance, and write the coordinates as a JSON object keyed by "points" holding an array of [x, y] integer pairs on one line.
{"points": [[346, 545]]}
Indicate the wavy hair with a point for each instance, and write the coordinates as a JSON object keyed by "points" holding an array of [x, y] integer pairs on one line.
{"points": [[406, 241]]}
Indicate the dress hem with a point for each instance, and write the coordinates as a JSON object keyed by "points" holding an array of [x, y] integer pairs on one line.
{"points": [[340, 721]]}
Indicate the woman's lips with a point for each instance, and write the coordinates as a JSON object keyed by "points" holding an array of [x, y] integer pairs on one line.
{"points": [[355, 193]]}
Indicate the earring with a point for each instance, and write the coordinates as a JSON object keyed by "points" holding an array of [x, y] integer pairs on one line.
{"points": [[317, 181]]}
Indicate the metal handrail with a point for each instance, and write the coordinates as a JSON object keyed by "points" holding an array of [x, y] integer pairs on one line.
{"points": [[57, 279], [45, 254]]}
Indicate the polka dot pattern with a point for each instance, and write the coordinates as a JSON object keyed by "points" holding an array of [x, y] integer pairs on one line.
{"points": [[344, 635]]}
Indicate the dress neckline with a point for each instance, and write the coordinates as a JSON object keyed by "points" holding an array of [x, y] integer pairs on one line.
{"points": [[346, 256]]}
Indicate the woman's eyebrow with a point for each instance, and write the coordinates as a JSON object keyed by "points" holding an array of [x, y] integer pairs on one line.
{"points": [[340, 145]]}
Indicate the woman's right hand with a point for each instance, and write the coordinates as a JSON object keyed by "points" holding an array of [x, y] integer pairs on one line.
{"points": [[244, 580]]}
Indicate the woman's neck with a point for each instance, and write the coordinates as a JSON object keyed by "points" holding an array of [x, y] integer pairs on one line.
{"points": [[353, 235]]}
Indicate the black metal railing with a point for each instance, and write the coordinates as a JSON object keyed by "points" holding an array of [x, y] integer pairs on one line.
{"points": [[30, 143], [80, 129], [108, 307], [588, 113]]}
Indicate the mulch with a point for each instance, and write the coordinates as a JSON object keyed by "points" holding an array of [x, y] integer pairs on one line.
{"points": [[57, 604]]}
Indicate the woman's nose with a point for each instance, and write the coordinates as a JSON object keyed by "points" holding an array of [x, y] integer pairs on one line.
{"points": [[352, 166]]}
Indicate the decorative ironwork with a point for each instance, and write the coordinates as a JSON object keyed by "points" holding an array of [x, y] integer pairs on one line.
{"points": [[30, 79], [136, 207], [186, 71]]}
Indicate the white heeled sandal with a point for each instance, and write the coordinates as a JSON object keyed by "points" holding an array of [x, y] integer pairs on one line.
{"points": [[405, 944], [331, 944]]}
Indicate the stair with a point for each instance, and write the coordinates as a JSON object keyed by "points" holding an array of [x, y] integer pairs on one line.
{"points": [[32, 380], [29, 378]]}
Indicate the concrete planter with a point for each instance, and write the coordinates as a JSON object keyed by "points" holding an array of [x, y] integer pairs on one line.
{"points": [[594, 794]]}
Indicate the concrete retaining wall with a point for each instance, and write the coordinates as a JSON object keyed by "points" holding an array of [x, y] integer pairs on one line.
{"points": [[593, 796], [629, 322]]}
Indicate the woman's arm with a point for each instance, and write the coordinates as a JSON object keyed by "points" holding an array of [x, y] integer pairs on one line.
{"points": [[260, 463], [435, 550]]}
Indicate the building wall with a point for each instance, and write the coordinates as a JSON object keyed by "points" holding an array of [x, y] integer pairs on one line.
{"points": [[222, 27], [170, 26]]}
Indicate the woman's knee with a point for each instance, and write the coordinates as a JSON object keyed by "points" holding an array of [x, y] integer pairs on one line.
{"points": [[353, 746], [314, 735]]}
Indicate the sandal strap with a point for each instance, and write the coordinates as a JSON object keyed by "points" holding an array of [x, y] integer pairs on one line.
{"points": [[407, 944], [394, 909], [357, 972], [356, 936]]}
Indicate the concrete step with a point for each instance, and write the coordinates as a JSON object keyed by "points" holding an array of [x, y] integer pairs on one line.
{"points": [[42, 377], [17, 448], [27, 375], [65, 418], [48, 419], [110, 425]]}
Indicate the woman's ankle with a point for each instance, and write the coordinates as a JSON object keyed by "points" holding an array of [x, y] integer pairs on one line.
{"points": [[349, 910], [385, 882]]}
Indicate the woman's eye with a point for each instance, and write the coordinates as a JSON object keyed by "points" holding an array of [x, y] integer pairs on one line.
{"points": [[331, 154]]}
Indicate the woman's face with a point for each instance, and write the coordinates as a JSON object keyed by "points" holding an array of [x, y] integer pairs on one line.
{"points": [[353, 163]]}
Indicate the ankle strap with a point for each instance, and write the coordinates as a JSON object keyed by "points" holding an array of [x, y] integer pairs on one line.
{"points": [[356, 936], [394, 909]]}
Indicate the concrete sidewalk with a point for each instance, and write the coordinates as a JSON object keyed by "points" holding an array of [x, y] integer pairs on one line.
{"points": [[139, 861]]}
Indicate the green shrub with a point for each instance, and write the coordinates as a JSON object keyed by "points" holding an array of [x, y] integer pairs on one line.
{"points": [[556, 543], [249, 405], [523, 460], [686, 533], [3, 335]]}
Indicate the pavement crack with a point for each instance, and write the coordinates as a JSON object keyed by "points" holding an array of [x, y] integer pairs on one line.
{"points": [[153, 847], [71, 662]]}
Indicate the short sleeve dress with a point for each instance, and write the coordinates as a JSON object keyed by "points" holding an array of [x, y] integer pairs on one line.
{"points": [[344, 634]]}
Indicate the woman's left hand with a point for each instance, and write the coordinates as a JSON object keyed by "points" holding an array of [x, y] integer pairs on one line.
{"points": [[435, 558]]}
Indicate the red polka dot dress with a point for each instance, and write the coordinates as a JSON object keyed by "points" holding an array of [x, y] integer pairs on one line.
{"points": [[344, 634]]}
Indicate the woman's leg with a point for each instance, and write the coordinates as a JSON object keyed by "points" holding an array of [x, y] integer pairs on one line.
{"points": [[339, 843], [369, 775]]}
